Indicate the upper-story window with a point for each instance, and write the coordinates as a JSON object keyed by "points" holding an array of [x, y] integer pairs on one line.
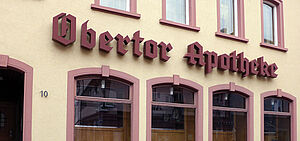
{"points": [[228, 15], [277, 119], [229, 116], [126, 8], [118, 4], [272, 24], [231, 19], [179, 13]]}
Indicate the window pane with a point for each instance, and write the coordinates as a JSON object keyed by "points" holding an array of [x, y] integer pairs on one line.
{"points": [[102, 88], [227, 16], [229, 126], [229, 99], [276, 104], [277, 128], [118, 4], [173, 94], [100, 121], [176, 11], [268, 24], [173, 124]]}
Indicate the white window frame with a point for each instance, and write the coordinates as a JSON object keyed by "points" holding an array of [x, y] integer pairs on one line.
{"points": [[187, 12], [236, 26], [275, 26], [127, 5]]}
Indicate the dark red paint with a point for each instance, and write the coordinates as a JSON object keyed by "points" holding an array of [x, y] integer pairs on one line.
{"points": [[68, 29], [232, 62], [105, 39], [163, 49], [121, 42], [150, 49], [88, 37], [136, 39]]}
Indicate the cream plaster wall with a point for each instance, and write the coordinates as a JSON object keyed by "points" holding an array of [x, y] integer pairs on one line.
{"points": [[26, 28]]}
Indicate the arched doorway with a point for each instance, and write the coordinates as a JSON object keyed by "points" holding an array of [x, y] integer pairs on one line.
{"points": [[15, 100]]}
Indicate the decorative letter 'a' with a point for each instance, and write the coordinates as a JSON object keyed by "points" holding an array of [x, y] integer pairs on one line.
{"points": [[67, 34]]}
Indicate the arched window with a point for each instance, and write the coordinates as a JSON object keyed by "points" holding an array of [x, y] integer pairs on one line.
{"points": [[105, 106], [174, 110], [231, 113], [278, 117]]}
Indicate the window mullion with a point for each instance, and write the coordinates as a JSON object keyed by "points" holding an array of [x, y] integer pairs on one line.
{"points": [[275, 26], [174, 104], [229, 109], [100, 99], [277, 113]]}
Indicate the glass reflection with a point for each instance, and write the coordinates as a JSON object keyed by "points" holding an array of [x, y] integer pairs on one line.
{"points": [[268, 24], [229, 126], [100, 121], [276, 104], [104, 88], [277, 128], [176, 11], [229, 99], [118, 4], [173, 124], [227, 16], [173, 94]]}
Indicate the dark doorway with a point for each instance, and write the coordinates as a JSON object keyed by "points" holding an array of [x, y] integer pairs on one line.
{"points": [[11, 105]]}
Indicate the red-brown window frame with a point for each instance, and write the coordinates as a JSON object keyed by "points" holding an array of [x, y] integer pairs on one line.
{"points": [[240, 26], [280, 26], [192, 17], [104, 71], [249, 103], [292, 111], [198, 102], [132, 13]]}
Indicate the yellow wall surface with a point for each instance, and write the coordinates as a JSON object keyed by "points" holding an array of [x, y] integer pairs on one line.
{"points": [[26, 30]]}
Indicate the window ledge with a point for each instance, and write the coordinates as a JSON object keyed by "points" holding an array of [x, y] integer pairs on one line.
{"points": [[179, 25], [116, 11], [232, 37], [274, 47]]}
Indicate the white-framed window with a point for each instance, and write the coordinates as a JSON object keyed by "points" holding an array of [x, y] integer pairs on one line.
{"points": [[117, 4], [178, 11], [229, 17], [270, 23]]}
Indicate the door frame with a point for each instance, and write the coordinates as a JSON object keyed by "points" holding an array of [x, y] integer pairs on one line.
{"points": [[13, 64]]}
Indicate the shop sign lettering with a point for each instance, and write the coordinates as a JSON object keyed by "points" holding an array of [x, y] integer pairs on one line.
{"points": [[64, 32], [232, 62], [67, 36]]}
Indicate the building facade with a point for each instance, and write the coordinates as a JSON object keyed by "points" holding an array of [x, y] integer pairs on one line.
{"points": [[149, 70]]}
